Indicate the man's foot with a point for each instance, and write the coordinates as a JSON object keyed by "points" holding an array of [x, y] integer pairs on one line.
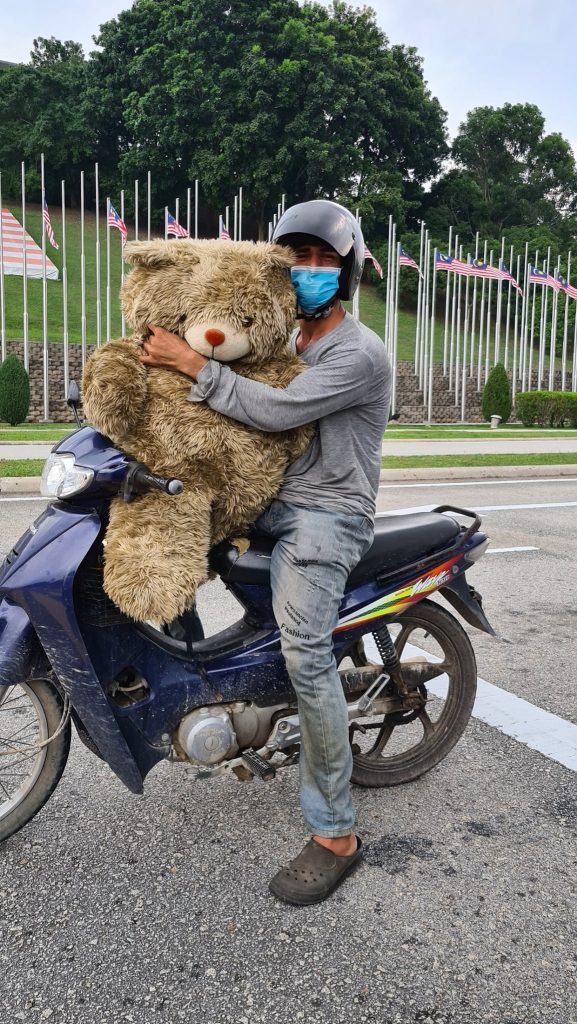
{"points": [[344, 846], [315, 873]]}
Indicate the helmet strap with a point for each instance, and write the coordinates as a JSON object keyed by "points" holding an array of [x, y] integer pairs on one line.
{"points": [[320, 313]]}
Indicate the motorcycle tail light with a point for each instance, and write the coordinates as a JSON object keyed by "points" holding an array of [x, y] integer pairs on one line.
{"points": [[478, 551], [61, 477]]}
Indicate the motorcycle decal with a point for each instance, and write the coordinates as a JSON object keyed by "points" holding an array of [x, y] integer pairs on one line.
{"points": [[400, 599]]}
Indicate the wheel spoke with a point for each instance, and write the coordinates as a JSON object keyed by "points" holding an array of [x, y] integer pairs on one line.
{"points": [[385, 733], [429, 727]]}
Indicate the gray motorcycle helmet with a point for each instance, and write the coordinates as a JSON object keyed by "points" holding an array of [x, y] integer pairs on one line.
{"points": [[333, 224]]}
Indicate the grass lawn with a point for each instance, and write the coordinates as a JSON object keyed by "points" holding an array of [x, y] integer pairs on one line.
{"points": [[49, 432], [21, 467], [471, 461], [434, 434]]}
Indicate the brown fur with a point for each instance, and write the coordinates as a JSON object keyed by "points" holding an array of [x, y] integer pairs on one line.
{"points": [[157, 546]]}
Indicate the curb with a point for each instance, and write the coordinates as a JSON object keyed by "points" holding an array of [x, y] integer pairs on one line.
{"points": [[20, 484], [479, 473], [31, 484]]}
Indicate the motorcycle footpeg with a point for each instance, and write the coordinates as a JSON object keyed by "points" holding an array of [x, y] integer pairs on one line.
{"points": [[257, 765]]}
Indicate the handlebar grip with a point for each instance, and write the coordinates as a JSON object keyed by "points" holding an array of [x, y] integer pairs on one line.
{"points": [[144, 479]]}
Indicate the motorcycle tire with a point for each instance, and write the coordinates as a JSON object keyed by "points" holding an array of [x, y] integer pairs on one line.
{"points": [[372, 769], [32, 712]]}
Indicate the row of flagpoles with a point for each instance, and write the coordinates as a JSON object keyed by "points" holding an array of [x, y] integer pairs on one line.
{"points": [[472, 336]]}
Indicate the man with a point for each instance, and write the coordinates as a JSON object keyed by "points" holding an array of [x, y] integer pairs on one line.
{"points": [[323, 517]]}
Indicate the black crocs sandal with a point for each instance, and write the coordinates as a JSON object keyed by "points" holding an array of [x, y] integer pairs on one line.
{"points": [[313, 875]]}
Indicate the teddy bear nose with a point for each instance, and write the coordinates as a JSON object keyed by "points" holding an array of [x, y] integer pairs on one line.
{"points": [[214, 336]]}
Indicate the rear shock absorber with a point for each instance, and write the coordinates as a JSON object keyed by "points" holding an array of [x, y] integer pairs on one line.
{"points": [[390, 658]]}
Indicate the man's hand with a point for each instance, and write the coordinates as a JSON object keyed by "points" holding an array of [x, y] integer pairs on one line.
{"points": [[168, 351]]}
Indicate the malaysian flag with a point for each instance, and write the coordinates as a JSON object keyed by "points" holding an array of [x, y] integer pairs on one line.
{"points": [[537, 276], [506, 275], [376, 264], [116, 221], [569, 289], [48, 225], [445, 262], [479, 269], [407, 261], [223, 232], [174, 228]]}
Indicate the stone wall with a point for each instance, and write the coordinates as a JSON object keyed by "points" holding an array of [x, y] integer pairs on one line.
{"points": [[409, 401]]}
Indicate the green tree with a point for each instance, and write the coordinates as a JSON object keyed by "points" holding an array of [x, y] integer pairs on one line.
{"points": [[496, 400], [14, 391]]}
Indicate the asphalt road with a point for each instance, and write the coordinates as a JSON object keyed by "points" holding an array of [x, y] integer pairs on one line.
{"points": [[119, 908]]}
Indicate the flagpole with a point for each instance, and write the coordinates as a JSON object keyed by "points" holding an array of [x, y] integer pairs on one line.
{"points": [[389, 343], [474, 311], [553, 336], [481, 324], [424, 315], [235, 221], [453, 316], [227, 218], [447, 306], [240, 214], [396, 330], [565, 323], [282, 202], [165, 223], [531, 347], [148, 204], [122, 320], [177, 211], [419, 298], [388, 284], [515, 333], [25, 269], [458, 335], [2, 296], [507, 321], [188, 207], [196, 208], [574, 373], [45, 382], [136, 210], [98, 296], [108, 332], [488, 332], [497, 344], [524, 320], [82, 275], [543, 323], [432, 340], [465, 350], [65, 295], [425, 361]]}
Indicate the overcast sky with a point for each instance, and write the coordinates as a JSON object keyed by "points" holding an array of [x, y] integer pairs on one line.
{"points": [[488, 52]]}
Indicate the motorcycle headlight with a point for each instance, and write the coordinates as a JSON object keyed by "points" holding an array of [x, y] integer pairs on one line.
{"points": [[61, 477]]}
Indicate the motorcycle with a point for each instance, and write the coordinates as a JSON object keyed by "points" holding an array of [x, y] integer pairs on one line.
{"points": [[138, 692]]}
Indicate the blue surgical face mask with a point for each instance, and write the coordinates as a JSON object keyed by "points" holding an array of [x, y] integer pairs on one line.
{"points": [[314, 286]]}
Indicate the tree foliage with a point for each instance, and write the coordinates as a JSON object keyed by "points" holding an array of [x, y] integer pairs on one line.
{"points": [[496, 400], [14, 391]]}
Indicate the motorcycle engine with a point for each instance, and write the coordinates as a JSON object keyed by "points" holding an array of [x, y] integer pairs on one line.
{"points": [[214, 734]]}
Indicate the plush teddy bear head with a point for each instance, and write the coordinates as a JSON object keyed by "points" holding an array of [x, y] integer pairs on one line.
{"points": [[228, 300]]}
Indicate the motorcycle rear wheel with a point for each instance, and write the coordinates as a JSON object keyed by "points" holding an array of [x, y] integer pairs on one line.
{"points": [[30, 712], [407, 746]]}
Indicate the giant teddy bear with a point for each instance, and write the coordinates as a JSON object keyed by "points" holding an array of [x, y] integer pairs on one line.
{"points": [[156, 547]]}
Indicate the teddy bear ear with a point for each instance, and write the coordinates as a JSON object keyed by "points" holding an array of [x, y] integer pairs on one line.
{"points": [[158, 253], [276, 255]]}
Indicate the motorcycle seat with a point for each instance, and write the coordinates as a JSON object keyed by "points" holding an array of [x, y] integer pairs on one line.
{"points": [[398, 541]]}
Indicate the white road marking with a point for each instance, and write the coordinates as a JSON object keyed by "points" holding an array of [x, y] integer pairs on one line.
{"points": [[548, 734], [481, 483], [500, 551], [481, 508], [24, 498]]}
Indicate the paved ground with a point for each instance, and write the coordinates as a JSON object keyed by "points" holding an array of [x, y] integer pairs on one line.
{"points": [[117, 908]]}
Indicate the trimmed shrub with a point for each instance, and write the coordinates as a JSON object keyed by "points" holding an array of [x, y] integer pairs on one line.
{"points": [[496, 399], [547, 408], [14, 391]]}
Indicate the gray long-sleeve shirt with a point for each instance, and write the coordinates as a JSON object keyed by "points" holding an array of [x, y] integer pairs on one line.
{"points": [[346, 388]]}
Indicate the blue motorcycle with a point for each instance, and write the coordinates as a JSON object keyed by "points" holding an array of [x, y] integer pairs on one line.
{"points": [[138, 692]]}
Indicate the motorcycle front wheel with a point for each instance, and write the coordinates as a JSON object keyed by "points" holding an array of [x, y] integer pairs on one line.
{"points": [[31, 762], [398, 748]]}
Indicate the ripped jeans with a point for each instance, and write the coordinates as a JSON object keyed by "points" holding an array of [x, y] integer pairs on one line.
{"points": [[315, 552]]}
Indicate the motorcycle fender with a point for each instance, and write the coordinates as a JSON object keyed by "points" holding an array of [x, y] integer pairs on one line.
{"points": [[22, 655], [465, 601]]}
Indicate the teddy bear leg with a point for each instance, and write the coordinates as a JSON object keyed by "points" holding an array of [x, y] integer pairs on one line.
{"points": [[156, 554]]}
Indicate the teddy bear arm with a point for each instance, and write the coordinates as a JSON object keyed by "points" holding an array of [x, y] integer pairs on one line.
{"points": [[114, 389], [298, 441]]}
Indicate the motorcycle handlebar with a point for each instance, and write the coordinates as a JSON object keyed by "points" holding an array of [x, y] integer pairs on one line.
{"points": [[139, 479]]}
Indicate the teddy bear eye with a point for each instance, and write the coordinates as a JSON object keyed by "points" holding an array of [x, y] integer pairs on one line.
{"points": [[247, 321]]}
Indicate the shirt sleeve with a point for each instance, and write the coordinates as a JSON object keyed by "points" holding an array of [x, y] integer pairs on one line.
{"points": [[337, 382]]}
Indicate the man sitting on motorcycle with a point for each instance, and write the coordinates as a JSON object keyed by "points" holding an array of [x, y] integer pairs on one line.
{"points": [[323, 516]]}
